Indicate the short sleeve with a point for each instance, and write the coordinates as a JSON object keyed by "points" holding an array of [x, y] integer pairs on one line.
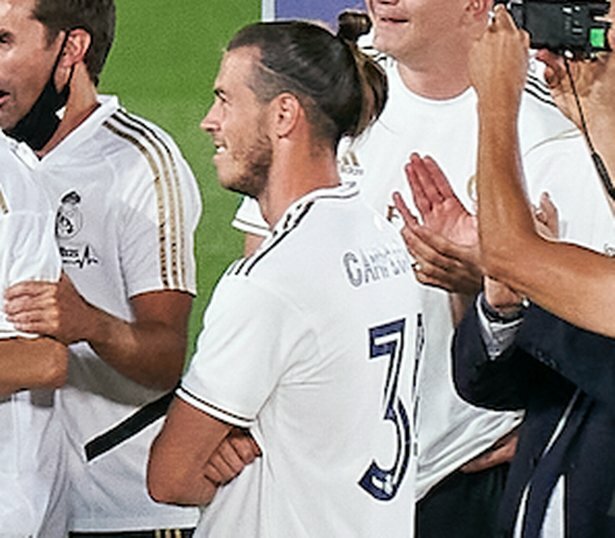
{"points": [[249, 219], [251, 339], [29, 252], [160, 213]]}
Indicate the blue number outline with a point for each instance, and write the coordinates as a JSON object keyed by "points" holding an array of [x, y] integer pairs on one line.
{"points": [[387, 341]]}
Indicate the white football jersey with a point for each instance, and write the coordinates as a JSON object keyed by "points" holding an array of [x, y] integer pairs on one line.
{"points": [[127, 207], [312, 343], [452, 432], [33, 482]]}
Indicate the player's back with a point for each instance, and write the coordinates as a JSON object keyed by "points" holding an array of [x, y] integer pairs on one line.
{"points": [[338, 300]]}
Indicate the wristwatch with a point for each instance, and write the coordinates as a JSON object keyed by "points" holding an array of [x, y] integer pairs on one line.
{"points": [[495, 316]]}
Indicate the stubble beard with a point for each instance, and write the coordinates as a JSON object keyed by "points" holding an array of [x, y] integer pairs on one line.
{"points": [[252, 179]]}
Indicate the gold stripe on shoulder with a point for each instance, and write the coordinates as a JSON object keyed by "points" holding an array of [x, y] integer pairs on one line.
{"points": [[171, 178], [4, 206], [159, 195]]}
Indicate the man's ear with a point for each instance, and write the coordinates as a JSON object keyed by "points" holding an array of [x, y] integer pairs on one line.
{"points": [[286, 112], [478, 9], [76, 47]]}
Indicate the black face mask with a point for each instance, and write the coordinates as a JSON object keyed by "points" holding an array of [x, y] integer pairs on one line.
{"points": [[37, 127]]}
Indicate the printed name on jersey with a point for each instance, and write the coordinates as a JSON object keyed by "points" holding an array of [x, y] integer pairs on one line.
{"points": [[162, 163], [349, 164], [363, 267]]}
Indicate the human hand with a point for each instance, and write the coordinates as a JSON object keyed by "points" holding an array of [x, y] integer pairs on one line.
{"points": [[502, 451], [594, 81], [445, 246], [49, 308], [546, 218], [437, 203], [238, 450], [498, 63]]}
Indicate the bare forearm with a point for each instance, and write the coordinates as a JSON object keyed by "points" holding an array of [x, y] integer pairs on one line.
{"points": [[179, 456], [165, 486], [150, 349], [503, 210], [569, 281], [150, 353], [32, 364]]}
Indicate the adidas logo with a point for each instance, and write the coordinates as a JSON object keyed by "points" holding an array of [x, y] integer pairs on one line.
{"points": [[349, 164]]}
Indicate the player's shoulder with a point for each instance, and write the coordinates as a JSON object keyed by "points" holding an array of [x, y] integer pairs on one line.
{"points": [[136, 138], [135, 146]]}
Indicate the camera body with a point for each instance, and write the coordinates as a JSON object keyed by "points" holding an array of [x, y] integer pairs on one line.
{"points": [[564, 26]]}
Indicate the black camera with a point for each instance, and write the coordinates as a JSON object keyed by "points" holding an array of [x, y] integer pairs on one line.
{"points": [[564, 26]]}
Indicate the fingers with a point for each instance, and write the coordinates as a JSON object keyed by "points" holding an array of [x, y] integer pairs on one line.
{"points": [[421, 200], [244, 446], [502, 19], [231, 457], [437, 177], [426, 181], [440, 263], [502, 451], [29, 289], [225, 464], [401, 206], [546, 217]]}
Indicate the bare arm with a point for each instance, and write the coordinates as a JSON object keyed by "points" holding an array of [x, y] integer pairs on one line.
{"points": [[150, 350], [572, 282], [32, 364], [179, 456]]}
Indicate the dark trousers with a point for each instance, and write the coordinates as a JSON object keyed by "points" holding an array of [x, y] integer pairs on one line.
{"points": [[462, 505], [158, 533]]}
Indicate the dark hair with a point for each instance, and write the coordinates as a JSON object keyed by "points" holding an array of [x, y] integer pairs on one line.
{"points": [[96, 17], [341, 89]]}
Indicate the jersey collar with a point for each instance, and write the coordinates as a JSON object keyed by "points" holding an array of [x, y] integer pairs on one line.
{"points": [[297, 209]]}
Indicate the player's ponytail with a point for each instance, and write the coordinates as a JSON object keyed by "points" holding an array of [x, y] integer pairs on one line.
{"points": [[371, 77]]}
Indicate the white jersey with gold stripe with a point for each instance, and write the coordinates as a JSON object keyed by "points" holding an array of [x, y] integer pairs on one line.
{"points": [[33, 482], [127, 208]]}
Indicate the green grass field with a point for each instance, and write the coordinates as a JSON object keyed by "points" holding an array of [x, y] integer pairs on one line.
{"points": [[163, 64]]}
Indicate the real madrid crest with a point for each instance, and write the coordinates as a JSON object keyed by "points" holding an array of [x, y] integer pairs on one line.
{"points": [[69, 219]]}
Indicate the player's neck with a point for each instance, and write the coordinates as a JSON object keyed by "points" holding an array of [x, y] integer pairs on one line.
{"points": [[81, 103], [292, 176], [436, 80]]}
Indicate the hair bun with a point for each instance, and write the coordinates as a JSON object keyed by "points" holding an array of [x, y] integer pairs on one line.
{"points": [[352, 24]]}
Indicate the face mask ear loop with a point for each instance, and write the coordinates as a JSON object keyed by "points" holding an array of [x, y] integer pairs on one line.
{"points": [[59, 57]]}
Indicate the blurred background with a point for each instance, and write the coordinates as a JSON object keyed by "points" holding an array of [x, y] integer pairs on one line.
{"points": [[162, 66]]}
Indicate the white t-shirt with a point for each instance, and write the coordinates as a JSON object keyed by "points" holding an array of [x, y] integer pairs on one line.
{"points": [[452, 432], [310, 342], [128, 207], [33, 483]]}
